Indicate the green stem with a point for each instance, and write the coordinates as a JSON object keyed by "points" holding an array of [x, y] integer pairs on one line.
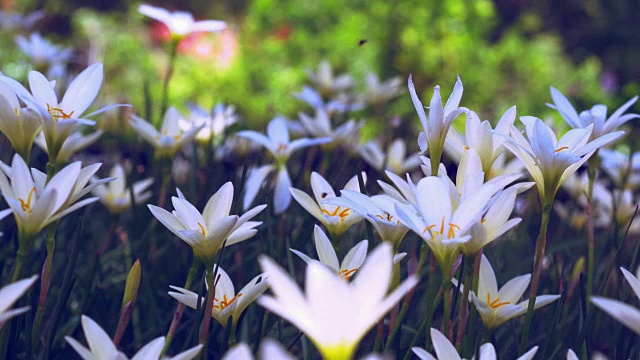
{"points": [[590, 229], [431, 293], [541, 244], [173, 54], [446, 289], [45, 282], [21, 254], [206, 321], [463, 312], [177, 315]]}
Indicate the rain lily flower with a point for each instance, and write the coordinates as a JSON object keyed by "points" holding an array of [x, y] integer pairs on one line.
{"points": [[327, 255], [446, 351], [19, 124], [498, 306], [277, 142], [394, 160], [437, 125], [43, 53], [596, 116], [623, 170], [60, 119], [101, 346], [75, 142], [226, 303], [550, 161], [206, 232], [326, 82], [213, 123], [9, 294], [628, 315], [481, 137], [334, 314], [336, 219], [116, 196], [180, 23], [169, 139], [314, 99], [379, 210], [37, 203], [269, 349], [11, 21], [320, 126], [377, 92]]}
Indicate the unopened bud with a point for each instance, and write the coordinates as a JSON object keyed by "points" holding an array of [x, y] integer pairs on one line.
{"points": [[132, 284]]}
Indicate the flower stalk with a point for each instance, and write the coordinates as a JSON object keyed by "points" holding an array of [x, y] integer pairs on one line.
{"points": [[177, 315]]}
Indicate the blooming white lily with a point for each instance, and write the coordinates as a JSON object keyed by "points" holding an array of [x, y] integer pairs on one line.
{"points": [[75, 142], [325, 81], [180, 23], [624, 170], [207, 231], [596, 116], [320, 126], [446, 351], [19, 124], [336, 219], [101, 347], [498, 306], [36, 202], [116, 196], [314, 99], [269, 349], [226, 303], [335, 314], [481, 137], [214, 123], [550, 161], [169, 139], [394, 160], [327, 255], [43, 53], [628, 315], [437, 125], [277, 142], [379, 92], [9, 294]]}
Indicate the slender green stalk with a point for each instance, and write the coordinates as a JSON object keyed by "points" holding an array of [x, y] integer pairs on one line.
{"points": [[541, 244], [206, 321], [463, 312], [473, 318], [591, 243], [177, 315], [45, 283], [173, 54], [446, 289], [21, 254], [431, 293]]}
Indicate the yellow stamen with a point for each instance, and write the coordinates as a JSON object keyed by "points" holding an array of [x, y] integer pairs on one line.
{"points": [[347, 274], [58, 113], [451, 233], [496, 303], [342, 214], [202, 229], [26, 206], [225, 302], [560, 149]]}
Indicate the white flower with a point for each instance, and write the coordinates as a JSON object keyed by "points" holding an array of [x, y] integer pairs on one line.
{"points": [[320, 126], [277, 142], [624, 170], [394, 160], [326, 82], [226, 302], [551, 161], [327, 255], [377, 92], [206, 232], [19, 124], [481, 137], [628, 315], [437, 125], [498, 306], [213, 123], [336, 219], [334, 314], [42, 51], [37, 203], [169, 139], [314, 99], [269, 349], [180, 23], [102, 348], [446, 351], [9, 294], [596, 116], [75, 142], [116, 196]]}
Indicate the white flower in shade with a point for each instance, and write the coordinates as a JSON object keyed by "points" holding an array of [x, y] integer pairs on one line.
{"points": [[481, 137], [320, 126], [624, 170], [226, 303], [596, 116], [102, 348], [379, 210], [506, 164], [628, 315], [37, 202], [325, 81], [269, 349], [446, 351], [75, 142], [180, 23], [19, 124], [61, 118], [551, 161], [377, 92], [335, 218], [405, 192], [12, 21], [207, 231], [334, 314], [314, 99], [170, 138], [9, 294], [116, 196], [42, 52], [436, 126], [498, 306], [327, 255], [277, 142], [394, 160], [213, 123]]}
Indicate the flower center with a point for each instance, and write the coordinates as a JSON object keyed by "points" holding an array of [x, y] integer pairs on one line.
{"points": [[337, 212], [202, 229], [560, 149], [451, 233], [26, 205], [346, 274], [496, 302], [224, 303], [58, 113]]}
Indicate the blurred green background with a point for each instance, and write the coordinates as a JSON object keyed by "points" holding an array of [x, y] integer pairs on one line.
{"points": [[506, 52]]}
